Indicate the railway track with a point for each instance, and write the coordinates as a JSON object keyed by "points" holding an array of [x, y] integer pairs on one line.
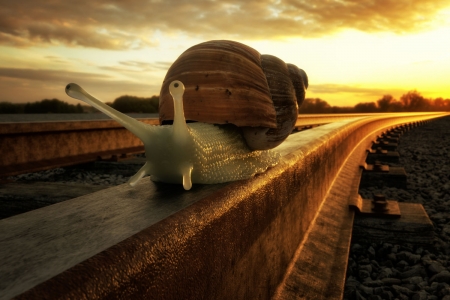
{"points": [[36, 146], [96, 146], [260, 238], [424, 156]]}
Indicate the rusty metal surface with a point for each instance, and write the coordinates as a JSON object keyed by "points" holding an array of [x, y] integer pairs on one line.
{"points": [[317, 119], [390, 209], [42, 145], [414, 227], [384, 146], [230, 241], [30, 147], [46, 164], [320, 262], [382, 156], [383, 175]]}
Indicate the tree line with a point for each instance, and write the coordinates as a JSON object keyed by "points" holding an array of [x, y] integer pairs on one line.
{"points": [[412, 101], [40, 107], [125, 104], [132, 104]]}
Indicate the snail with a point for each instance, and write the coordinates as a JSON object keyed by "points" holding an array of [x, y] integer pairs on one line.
{"points": [[210, 150], [186, 153]]}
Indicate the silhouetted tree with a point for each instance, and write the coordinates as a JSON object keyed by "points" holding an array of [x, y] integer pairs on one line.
{"points": [[341, 109], [314, 106], [51, 106], [366, 107], [11, 108], [385, 103], [389, 104], [439, 104], [132, 104], [414, 101], [396, 106], [39, 107]]}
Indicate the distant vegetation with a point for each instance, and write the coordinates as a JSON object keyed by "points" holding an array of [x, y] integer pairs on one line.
{"points": [[125, 104], [412, 101], [40, 107], [132, 104]]}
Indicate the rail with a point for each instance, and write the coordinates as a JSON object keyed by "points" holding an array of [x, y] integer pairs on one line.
{"points": [[37, 146], [280, 234]]}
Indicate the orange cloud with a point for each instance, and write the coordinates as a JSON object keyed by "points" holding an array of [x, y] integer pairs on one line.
{"points": [[130, 24], [47, 75], [340, 88], [25, 84]]}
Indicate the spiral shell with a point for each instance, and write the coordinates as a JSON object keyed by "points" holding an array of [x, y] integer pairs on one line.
{"points": [[230, 83]]}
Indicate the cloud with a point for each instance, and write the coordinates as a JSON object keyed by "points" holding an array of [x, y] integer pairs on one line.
{"points": [[356, 90], [24, 85], [47, 75], [145, 66], [133, 24], [136, 70], [56, 59], [350, 95]]}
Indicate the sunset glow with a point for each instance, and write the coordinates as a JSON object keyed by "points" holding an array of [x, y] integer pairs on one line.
{"points": [[353, 51]]}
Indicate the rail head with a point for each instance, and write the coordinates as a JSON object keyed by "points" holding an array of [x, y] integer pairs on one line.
{"points": [[227, 241], [9, 128], [15, 128], [37, 146]]}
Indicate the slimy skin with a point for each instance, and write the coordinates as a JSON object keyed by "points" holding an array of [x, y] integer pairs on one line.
{"points": [[187, 153]]}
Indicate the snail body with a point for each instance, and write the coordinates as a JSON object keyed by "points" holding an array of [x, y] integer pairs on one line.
{"points": [[243, 104], [187, 153], [230, 83]]}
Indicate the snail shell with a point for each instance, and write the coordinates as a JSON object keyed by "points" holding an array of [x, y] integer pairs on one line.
{"points": [[230, 83]]}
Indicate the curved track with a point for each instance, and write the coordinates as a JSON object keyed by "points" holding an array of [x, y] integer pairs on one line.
{"points": [[34, 146], [282, 234]]}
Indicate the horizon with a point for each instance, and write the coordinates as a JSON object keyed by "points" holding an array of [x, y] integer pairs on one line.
{"points": [[143, 98], [352, 52], [393, 101]]}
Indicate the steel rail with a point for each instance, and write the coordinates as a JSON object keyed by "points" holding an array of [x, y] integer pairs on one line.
{"points": [[36, 146], [282, 234]]}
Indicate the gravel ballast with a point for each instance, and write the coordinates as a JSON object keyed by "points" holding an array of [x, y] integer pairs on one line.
{"points": [[406, 271], [31, 191]]}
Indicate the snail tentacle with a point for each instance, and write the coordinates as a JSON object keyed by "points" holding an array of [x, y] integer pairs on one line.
{"points": [[181, 133], [138, 128], [141, 173], [187, 181], [182, 138]]}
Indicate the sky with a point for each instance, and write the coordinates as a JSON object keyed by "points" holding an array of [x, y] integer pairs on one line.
{"points": [[352, 50]]}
